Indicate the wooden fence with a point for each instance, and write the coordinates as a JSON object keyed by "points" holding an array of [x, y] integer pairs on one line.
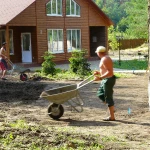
{"points": [[131, 43]]}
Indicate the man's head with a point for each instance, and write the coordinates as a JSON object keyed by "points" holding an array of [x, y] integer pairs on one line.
{"points": [[4, 43], [100, 49]]}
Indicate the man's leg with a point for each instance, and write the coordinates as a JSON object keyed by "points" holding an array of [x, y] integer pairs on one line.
{"points": [[111, 111], [109, 99], [111, 116], [3, 73], [101, 92]]}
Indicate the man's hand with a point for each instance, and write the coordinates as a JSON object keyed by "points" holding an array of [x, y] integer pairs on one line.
{"points": [[96, 78], [96, 72]]}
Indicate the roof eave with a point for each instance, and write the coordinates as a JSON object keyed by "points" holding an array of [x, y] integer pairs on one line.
{"points": [[102, 13]]}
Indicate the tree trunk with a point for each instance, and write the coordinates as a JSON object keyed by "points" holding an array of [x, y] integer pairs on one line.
{"points": [[148, 50]]}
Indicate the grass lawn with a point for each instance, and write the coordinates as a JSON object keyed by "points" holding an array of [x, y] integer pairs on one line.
{"points": [[132, 64]]}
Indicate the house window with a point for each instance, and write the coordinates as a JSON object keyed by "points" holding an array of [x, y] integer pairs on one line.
{"points": [[73, 39], [2, 39], [55, 40], [72, 8], [54, 8]]}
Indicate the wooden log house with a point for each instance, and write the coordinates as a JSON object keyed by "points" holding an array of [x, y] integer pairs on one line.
{"points": [[31, 27]]}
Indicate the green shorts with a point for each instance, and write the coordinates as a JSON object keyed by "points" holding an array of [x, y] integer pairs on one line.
{"points": [[105, 91]]}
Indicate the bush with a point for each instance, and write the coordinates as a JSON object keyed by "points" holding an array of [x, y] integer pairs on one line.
{"points": [[79, 64], [48, 66], [112, 38]]}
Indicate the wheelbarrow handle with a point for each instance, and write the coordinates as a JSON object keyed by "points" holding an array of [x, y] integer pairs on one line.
{"points": [[8, 60], [85, 82]]}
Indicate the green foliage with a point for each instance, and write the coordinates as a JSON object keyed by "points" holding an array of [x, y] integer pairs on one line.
{"points": [[112, 38], [115, 14], [79, 64], [8, 139], [110, 138], [19, 124], [136, 20], [64, 75], [123, 75], [48, 66], [129, 17], [132, 64]]}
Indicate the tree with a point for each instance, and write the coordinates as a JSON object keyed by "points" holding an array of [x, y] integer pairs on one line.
{"points": [[100, 3], [115, 14], [112, 38], [136, 20], [129, 16], [149, 49]]}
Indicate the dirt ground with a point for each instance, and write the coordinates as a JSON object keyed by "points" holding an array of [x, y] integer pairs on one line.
{"points": [[20, 100]]}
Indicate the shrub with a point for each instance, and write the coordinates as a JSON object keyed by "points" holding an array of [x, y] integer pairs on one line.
{"points": [[48, 66], [79, 64], [112, 38]]}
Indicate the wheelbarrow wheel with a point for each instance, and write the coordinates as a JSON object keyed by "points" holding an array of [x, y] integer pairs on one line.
{"points": [[55, 111], [23, 77]]}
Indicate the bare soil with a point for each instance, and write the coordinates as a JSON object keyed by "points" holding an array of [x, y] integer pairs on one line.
{"points": [[20, 101]]}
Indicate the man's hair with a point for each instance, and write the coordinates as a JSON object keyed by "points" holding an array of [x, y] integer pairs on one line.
{"points": [[4, 43]]}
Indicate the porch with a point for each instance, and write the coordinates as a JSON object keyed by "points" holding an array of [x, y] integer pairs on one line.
{"points": [[21, 43]]}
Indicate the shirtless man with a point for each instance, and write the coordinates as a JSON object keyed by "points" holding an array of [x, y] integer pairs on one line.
{"points": [[3, 63], [106, 75]]}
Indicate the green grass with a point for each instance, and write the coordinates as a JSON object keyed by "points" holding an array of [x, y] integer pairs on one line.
{"points": [[15, 136], [125, 64], [132, 64], [62, 74], [67, 75], [124, 75]]}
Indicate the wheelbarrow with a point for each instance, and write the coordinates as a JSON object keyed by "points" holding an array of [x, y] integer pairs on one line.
{"points": [[20, 70], [58, 96]]}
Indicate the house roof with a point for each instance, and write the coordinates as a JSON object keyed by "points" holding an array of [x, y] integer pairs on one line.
{"points": [[101, 12], [11, 8]]}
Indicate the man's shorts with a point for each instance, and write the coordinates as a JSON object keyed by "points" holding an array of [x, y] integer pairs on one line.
{"points": [[3, 64], [105, 91]]}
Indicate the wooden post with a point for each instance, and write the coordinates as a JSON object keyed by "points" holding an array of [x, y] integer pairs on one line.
{"points": [[7, 41]]}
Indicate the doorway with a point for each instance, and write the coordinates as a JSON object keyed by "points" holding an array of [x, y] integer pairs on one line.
{"points": [[26, 47], [97, 38]]}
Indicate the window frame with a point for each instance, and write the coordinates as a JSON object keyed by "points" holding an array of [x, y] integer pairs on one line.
{"points": [[49, 42], [75, 9], [51, 9], [70, 50], [10, 48]]}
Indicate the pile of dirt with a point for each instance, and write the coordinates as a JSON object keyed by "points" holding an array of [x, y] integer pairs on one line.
{"points": [[20, 91]]}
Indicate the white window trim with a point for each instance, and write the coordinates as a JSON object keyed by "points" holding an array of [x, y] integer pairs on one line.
{"points": [[56, 15], [60, 51], [73, 15], [53, 14], [12, 40], [70, 50]]}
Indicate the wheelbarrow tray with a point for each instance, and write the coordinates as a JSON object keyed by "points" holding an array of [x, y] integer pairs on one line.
{"points": [[61, 94]]}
